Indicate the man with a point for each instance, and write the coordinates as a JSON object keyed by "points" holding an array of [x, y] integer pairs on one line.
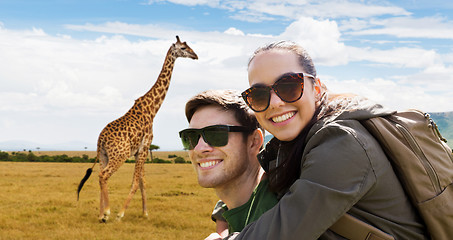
{"points": [[223, 140]]}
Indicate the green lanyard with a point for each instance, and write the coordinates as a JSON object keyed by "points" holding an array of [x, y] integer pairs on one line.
{"points": [[251, 206]]}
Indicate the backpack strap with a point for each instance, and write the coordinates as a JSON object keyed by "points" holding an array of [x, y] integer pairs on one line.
{"points": [[352, 228]]}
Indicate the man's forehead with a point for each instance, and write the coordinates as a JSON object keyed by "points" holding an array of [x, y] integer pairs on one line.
{"points": [[212, 115]]}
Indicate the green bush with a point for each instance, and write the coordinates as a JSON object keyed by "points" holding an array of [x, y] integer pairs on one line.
{"points": [[181, 160], [46, 158], [19, 157], [31, 157], [159, 160], [4, 156]]}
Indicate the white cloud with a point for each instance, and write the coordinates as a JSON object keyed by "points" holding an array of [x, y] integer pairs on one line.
{"points": [[354, 24], [395, 94], [436, 80], [259, 10], [234, 31], [211, 3], [408, 27], [352, 9], [86, 83], [320, 38], [251, 16], [62, 79], [267, 10], [149, 30], [398, 57], [448, 58], [60, 72]]}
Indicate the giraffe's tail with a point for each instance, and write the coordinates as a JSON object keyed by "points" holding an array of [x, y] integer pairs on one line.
{"points": [[85, 178]]}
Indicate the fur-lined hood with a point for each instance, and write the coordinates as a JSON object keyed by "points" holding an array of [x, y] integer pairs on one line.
{"points": [[351, 107]]}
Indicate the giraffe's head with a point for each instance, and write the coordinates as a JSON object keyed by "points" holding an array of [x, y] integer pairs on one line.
{"points": [[181, 49]]}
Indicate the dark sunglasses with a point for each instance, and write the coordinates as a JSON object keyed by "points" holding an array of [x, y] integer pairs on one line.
{"points": [[289, 88], [215, 136]]}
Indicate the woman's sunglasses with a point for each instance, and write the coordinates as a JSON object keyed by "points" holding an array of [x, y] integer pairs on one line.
{"points": [[215, 136], [289, 88]]}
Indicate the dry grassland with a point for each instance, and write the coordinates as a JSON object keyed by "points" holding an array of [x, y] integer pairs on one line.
{"points": [[92, 154], [38, 201]]}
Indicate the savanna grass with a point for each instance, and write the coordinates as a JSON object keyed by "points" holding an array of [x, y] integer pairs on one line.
{"points": [[38, 201]]}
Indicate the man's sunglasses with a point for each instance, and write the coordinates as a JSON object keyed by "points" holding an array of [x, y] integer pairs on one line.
{"points": [[289, 88], [215, 136]]}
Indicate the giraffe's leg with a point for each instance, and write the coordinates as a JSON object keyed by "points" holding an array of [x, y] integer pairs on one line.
{"points": [[103, 203], [142, 190], [114, 163], [139, 165], [104, 208]]}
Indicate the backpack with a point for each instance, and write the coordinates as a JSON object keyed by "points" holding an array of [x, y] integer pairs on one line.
{"points": [[423, 163]]}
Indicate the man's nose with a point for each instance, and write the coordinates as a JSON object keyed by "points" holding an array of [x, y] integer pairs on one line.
{"points": [[202, 145]]}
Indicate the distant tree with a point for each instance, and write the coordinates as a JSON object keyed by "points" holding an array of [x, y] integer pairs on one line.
{"points": [[152, 147]]}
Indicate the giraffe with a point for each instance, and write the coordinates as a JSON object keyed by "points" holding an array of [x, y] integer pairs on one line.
{"points": [[131, 135]]}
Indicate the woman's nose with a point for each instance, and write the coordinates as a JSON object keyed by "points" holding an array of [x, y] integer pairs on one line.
{"points": [[275, 100]]}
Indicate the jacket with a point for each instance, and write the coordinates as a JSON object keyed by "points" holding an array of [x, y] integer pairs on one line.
{"points": [[343, 169]]}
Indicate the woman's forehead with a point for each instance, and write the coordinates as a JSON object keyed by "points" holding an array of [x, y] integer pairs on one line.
{"points": [[268, 66]]}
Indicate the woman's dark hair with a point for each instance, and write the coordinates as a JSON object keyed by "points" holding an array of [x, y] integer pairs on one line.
{"points": [[288, 170], [305, 60]]}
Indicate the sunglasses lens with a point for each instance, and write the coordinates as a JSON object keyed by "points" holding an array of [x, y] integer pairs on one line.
{"points": [[289, 89], [258, 98], [190, 138], [216, 136]]}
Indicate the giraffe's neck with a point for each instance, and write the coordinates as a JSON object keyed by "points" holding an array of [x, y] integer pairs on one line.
{"points": [[154, 98]]}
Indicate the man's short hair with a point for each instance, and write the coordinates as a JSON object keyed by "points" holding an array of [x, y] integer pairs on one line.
{"points": [[228, 100]]}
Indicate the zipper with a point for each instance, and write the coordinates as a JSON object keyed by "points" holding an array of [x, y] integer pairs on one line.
{"points": [[421, 157], [433, 125], [440, 139]]}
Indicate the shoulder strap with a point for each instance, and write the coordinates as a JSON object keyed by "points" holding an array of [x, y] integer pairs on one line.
{"points": [[352, 228]]}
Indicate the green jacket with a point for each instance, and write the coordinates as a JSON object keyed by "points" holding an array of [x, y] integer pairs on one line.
{"points": [[343, 169]]}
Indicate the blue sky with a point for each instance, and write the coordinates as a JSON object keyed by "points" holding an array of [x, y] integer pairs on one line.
{"points": [[67, 68]]}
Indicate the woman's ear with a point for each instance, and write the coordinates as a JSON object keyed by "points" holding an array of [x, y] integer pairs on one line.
{"points": [[318, 86]]}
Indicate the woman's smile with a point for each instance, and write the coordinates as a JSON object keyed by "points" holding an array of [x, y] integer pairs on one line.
{"points": [[283, 117]]}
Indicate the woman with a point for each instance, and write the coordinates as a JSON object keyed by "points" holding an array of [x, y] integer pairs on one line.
{"points": [[322, 162]]}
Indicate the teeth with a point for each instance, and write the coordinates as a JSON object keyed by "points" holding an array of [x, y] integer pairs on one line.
{"points": [[208, 164], [283, 117]]}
